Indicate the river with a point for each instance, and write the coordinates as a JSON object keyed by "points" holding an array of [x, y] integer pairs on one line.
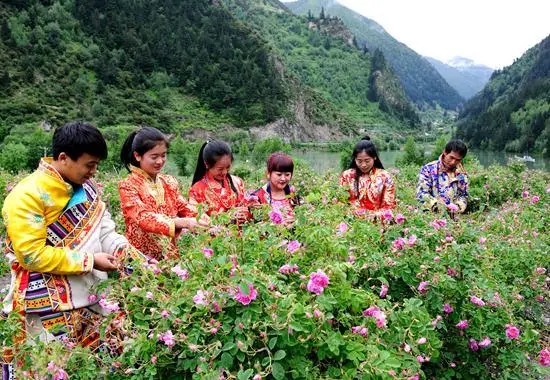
{"points": [[321, 161]]}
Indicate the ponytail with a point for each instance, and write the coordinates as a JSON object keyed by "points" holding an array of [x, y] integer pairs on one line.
{"points": [[200, 169], [126, 153]]}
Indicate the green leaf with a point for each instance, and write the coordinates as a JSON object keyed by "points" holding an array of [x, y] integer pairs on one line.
{"points": [[278, 371], [226, 360], [272, 343], [279, 355], [228, 346], [244, 375]]}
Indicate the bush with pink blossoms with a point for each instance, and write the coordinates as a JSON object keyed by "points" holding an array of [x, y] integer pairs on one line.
{"points": [[357, 308]]}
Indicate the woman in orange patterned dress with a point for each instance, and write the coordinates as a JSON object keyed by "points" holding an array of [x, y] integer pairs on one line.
{"points": [[371, 188], [154, 210], [214, 187]]}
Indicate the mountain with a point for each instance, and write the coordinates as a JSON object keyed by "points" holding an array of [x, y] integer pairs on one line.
{"points": [[463, 75], [512, 111], [189, 65], [421, 82], [320, 53]]}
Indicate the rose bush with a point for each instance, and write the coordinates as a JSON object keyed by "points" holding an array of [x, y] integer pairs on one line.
{"points": [[419, 295]]}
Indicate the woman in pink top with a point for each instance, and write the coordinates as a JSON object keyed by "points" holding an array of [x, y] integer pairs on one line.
{"points": [[278, 192]]}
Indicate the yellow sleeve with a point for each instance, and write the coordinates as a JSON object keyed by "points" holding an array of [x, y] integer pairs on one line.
{"points": [[25, 220]]}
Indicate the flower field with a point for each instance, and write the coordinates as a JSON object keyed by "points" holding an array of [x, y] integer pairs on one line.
{"points": [[418, 295]]}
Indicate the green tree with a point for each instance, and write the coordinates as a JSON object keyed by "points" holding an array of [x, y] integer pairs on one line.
{"points": [[14, 157]]}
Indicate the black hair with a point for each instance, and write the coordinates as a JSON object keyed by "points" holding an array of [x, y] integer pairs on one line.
{"points": [[76, 138], [457, 146], [209, 155], [367, 146], [140, 141]]}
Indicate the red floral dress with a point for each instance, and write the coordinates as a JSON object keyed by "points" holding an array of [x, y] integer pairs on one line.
{"points": [[149, 208], [217, 198], [376, 191]]}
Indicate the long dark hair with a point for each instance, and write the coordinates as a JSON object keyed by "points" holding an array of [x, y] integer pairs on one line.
{"points": [[140, 141], [367, 146], [209, 155]]}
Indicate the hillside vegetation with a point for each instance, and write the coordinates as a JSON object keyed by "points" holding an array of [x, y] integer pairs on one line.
{"points": [[513, 110], [421, 82]]}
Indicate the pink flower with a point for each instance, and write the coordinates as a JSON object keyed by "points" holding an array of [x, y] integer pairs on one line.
{"points": [[287, 269], [201, 298], [318, 281], [384, 291], [525, 194], [485, 342], [370, 311], [420, 358], [452, 207], [399, 218], [214, 330], [451, 272], [92, 298], [535, 199], [412, 240], [111, 307], [544, 357], [360, 330], [473, 345], [407, 348], [245, 298], [351, 259], [149, 295], [482, 240], [421, 340], [462, 325], [423, 287], [168, 338], [539, 270], [60, 374], [477, 301], [181, 273], [512, 332], [257, 377], [135, 289], [276, 217], [399, 244], [208, 253], [293, 246], [164, 314], [342, 228], [153, 359], [387, 215]]}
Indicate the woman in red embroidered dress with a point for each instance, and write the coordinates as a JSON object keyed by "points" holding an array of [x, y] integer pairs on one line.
{"points": [[277, 192], [371, 188], [154, 210], [214, 187]]}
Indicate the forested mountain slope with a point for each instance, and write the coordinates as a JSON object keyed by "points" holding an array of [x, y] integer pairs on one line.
{"points": [[513, 110], [421, 82]]}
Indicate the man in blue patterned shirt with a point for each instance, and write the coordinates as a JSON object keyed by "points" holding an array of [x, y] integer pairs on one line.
{"points": [[443, 184]]}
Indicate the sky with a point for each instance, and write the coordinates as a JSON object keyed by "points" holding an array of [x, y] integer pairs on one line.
{"points": [[490, 32]]}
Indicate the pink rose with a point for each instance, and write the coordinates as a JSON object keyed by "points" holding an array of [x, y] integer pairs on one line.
{"points": [[318, 281], [244, 298], [423, 287], [384, 291], [512, 332], [544, 357], [276, 217], [208, 253], [293, 246], [462, 325], [485, 342], [477, 301], [399, 219]]}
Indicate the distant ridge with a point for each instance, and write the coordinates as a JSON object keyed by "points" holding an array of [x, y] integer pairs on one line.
{"points": [[421, 81]]}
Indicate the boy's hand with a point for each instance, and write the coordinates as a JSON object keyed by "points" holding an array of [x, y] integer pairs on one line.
{"points": [[105, 262]]}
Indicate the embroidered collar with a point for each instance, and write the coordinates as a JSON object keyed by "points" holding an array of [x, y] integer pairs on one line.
{"points": [[153, 185], [45, 166]]}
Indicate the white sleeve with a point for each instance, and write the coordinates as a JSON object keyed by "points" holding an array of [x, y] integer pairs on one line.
{"points": [[110, 240]]}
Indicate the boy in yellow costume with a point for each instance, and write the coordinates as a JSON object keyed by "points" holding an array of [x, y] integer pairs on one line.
{"points": [[61, 241]]}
